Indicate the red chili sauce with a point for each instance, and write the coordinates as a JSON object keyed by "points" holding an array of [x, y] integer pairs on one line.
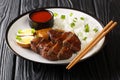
{"points": [[41, 16]]}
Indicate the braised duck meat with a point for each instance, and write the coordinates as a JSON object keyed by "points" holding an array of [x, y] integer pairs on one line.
{"points": [[60, 45]]}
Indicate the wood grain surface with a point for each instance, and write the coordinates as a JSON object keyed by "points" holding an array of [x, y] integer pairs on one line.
{"points": [[105, 65]]}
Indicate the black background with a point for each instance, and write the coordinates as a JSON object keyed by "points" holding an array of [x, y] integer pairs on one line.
{"points": [[105, 65]]}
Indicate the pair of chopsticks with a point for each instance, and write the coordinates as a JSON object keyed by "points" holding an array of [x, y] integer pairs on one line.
{"points": [[105, 30]]}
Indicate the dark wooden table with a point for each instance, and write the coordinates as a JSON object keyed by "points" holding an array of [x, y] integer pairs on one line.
{"points": [[105, 65]]}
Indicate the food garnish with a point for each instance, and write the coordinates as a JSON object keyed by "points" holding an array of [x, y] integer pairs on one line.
{"points": [[72, 24], [82, 18], [75, 19], [95, 30], [63, 17], [87, 29], [71, 14], [84, 38], [55, 14]]}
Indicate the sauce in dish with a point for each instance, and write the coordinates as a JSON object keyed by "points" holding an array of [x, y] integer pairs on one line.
{"points": [[41, 19], [41, 16]]}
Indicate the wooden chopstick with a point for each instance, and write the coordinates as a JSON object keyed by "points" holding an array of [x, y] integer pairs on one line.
{"points": [[105, 30]]}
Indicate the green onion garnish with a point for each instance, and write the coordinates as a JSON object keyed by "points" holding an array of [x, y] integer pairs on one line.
{"points": [[87, 28], [75, 19], [33, 31], [71, 14], [84, 38], [82, 18], [18, 38], [55, 14], [72, 25], [20, 31], [62, 16], [95, 30]]}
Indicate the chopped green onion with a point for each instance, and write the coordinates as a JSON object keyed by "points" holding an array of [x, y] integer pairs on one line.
{"points": [[95, 29], [62, 16], [75, 19], [82, 18], [55, 14], [84, 38], [72, 25], [71, 14], [87, 28], [20, 31], [18, 38], [33, 31]]}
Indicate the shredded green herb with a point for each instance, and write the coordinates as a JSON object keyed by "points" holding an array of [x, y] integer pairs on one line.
{"points": [[95, 30], [71, 14], [84, 38], [18, 38], [55, 14], [72, 25], [82, 18], [87, 28], [62, 16]]}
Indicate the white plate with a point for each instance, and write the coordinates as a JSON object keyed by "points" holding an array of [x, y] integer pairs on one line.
{"points": [[22, 22]]}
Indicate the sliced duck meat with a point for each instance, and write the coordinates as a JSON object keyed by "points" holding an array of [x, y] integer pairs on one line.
{"points": [[60, 45], [35, 42], [40, 46], [63, 36], [73, 42], [51, 52], [54, 34], [64, 53]]}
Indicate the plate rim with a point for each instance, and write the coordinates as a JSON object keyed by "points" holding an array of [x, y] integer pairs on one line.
{"points": [[21, 15]]}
